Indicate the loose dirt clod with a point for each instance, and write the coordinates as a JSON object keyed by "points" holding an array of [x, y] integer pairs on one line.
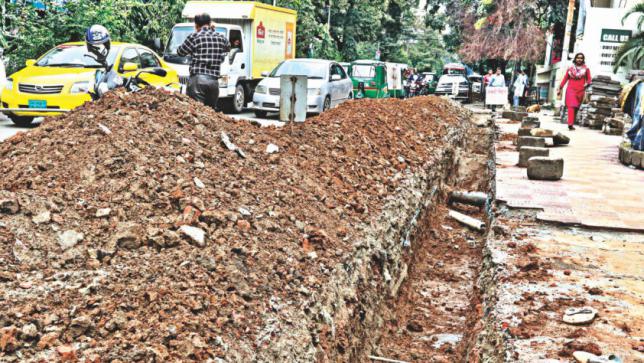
{"points": [[144, 192]]}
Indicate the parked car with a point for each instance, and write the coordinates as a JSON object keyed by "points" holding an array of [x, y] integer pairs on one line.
{"points": [[59, 80], [328, 85], [454, 83]]}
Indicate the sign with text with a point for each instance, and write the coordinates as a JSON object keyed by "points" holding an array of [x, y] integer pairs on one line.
{"points": [[496, 96], [616, 35]]}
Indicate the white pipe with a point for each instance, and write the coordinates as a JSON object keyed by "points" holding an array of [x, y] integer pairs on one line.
{"points": [[467, 220]]}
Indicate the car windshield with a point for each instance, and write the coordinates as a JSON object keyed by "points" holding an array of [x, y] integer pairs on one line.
{"points": [[363, 71], [311, 70], [75, 56], [454, 71], [179, 35]]}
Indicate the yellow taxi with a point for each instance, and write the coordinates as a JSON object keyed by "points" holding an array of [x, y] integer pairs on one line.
{"points": [[59, 81]]}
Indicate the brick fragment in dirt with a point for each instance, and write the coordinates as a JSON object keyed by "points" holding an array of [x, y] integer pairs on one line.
{"points": [[143, 290]]}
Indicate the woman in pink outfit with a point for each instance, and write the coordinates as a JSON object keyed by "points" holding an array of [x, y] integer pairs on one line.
{"points": [[578, 78]]}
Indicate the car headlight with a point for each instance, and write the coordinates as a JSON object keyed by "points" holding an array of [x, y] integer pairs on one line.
{"points": [[9, 85], [223, 82], [260, 89], [315, 91], [80, 87]]}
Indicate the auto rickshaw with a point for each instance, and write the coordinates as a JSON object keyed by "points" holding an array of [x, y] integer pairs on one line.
{"points": [[375, 79], [369, 79]]}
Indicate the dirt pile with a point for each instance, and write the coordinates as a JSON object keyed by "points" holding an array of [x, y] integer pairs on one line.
{"points": [[146, 226]]}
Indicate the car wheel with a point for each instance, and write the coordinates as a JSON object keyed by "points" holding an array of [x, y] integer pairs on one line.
{"points": [[22, 121], [238, 101], [327, 104], [260, 113]]}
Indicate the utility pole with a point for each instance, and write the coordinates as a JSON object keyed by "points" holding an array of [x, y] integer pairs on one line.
{"points": [[565, 52]]}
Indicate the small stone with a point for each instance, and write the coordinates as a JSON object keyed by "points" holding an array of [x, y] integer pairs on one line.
{"points": [[541, 133], [560, 139], [243, 225], [128, 236], [199, 184], [208, 263], [272, 148], [44, 217], [213, 217], [48, 340], [69, 239], [103, 212], [9, 203], [567, 272], [244, 212], [414, 326], [196, 235], [104, 129], [30, 331], [67, 353]]}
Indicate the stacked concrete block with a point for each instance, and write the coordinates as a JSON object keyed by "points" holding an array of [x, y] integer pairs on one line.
{"points": [[603, 99]]}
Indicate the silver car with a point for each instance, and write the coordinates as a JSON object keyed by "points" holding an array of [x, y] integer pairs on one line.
{"points": [[328, 85]]}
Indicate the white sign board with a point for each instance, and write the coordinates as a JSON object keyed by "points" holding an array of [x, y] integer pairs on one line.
{"points": [[293, 93], [496, 96]]}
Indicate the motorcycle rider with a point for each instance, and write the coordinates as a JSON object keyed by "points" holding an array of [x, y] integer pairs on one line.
{"points": [[98, 41]]}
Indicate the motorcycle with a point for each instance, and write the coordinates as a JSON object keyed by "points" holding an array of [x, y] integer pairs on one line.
{"points": [[107, 79]]}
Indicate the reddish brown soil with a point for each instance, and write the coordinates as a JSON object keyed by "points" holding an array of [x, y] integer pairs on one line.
{"points": [[440, 296], [133, 288]]}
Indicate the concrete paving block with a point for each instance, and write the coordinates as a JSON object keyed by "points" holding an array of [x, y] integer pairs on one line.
{"points": [[524, 132], [560, 139], [514, 116], [531, 123], [528, 152], [545, 168], [531, 141]]}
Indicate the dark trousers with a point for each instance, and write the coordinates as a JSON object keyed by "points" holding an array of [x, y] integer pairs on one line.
{"points": [[204, 88]]}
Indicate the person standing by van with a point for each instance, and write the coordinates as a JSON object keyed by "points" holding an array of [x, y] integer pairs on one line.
{"points": [[520, 84], [207, 50]]}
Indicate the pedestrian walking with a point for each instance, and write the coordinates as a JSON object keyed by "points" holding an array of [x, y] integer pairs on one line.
{"points": [[520, 84], [578, 79], [207, 48]]}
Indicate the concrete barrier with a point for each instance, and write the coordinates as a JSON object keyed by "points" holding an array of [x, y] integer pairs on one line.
{"points": [[545, 168], [528, 152]]}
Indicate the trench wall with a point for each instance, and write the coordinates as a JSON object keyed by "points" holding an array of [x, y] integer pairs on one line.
{"points": [[342, 323]]}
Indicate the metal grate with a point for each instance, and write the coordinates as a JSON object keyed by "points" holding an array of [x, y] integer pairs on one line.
{"points": [[184, 79], [39, 89], [274, 91]]}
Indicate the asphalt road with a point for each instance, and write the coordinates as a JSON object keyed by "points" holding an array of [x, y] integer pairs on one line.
{"points": [[8, 129]]}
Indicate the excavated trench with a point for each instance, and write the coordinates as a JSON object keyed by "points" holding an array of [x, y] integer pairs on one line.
{"points": [[432, 311], [437, 315]]}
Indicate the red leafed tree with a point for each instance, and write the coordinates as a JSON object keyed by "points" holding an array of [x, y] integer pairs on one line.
{"points": [[507, 29]]}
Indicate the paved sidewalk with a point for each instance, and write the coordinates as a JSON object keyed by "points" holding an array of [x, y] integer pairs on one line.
{"points": [[596, 189]]}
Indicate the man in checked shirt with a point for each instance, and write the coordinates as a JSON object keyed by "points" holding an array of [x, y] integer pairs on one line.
{"points": [[207, 48]]}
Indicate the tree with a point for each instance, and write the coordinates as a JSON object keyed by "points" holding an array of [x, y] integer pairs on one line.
{"points": [[631, 53], [29, 32], [509, 29]]}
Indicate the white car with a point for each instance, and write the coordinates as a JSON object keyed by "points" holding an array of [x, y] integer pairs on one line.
{"points": [[328, 85]]}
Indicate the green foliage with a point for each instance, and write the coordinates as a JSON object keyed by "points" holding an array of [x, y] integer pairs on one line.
{"points": [[28, 32], [631, 53]]}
